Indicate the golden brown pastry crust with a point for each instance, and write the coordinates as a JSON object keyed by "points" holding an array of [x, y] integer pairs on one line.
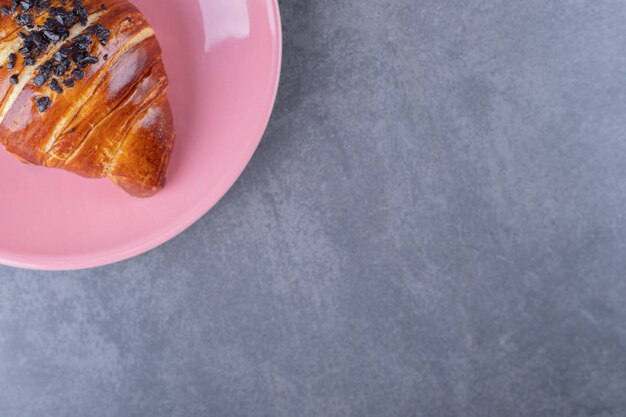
{"points": [[115, 122]]}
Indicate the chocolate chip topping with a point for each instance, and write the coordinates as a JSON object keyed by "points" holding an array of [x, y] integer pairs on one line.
{"points": [[72, 58], [43, 103], [55, 86], [11, 63]]}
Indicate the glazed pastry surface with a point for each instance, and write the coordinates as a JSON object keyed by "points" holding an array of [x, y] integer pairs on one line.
{"points": [[83, 88]]}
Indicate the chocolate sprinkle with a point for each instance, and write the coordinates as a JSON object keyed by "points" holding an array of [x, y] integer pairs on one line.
{"points": [[101, 32], [43, 103], [82, 14], [62, 68], [42, 5], [14, 79], [78, 74], [55, 86], [11, 63], [25, 19], [43, 76]]}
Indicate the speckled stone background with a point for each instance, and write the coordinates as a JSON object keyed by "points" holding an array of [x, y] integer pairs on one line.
{"points": [[433, 226]]}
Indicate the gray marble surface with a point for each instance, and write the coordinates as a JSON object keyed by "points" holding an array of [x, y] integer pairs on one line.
{"points": [[433, 226]]}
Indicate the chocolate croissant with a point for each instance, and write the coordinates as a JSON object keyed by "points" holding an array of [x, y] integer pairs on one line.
{"points": [[83, 88]]}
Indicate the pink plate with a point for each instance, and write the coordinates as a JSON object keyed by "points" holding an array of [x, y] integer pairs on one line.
{"points": [[223, 60]]}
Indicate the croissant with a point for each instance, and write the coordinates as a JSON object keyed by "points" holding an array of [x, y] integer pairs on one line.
{"points": [[83, 88]]}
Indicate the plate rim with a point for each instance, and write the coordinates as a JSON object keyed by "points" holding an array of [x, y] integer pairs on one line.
{"points": [[102, 258]]}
